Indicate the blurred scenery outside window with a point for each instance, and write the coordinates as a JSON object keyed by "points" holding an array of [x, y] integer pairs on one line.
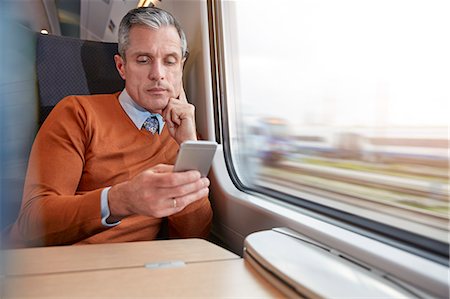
{"points": [[345, 103]]}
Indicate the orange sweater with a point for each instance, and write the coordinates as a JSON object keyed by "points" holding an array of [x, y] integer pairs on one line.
{"points": [[86, 144]]}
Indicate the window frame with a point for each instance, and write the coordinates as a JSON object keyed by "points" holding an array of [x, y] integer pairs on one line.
{"points": [[422, 246]]}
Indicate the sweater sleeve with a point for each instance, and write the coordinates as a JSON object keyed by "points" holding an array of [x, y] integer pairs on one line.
{"points": [[52, 211], [194, 221]]}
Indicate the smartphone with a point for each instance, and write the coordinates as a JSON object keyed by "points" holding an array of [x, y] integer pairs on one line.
{"points": [[196, 155]]}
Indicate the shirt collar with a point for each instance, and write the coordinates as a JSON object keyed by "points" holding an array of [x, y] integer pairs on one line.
{"points": [[136, 113]]}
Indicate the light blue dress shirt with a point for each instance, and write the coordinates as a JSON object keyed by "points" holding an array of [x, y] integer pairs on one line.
{"points": [[138, 115]]}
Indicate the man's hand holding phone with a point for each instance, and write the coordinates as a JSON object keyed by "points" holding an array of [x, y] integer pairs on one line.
{"points": [[156, 192], [179, 116]]}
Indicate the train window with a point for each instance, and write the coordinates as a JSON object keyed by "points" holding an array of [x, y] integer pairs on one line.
{"points": [[344, 104]]}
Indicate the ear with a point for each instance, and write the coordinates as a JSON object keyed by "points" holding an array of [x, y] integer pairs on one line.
{"points": [[120, 65], [183, 62]]}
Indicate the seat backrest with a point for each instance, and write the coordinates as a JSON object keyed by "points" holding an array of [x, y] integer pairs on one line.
{"points": [[70, 66]]}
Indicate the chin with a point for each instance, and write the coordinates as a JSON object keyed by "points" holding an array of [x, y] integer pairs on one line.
{"points": [[157, 106]]}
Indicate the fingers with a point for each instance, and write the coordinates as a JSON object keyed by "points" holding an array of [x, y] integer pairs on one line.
{"points": [[183, 190], [153, 191], [175, 198], [172, 116], [162, 168], [191, 197], [171, 179], [180, 120], [175, 117], [176, 111], [177, 204], [172, 205], [182, 96]]}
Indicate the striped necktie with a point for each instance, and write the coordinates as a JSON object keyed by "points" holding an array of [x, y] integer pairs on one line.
{"points": [[151, 124]]}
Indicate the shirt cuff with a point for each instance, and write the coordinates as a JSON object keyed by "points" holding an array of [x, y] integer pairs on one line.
{"points": [[105, 213]]}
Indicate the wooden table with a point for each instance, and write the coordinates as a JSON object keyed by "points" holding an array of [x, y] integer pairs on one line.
{"points": [[136, 269], [57, 259], [212, 279]]}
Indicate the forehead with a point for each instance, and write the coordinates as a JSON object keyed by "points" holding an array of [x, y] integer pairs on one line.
{"points": [[144, 39]]}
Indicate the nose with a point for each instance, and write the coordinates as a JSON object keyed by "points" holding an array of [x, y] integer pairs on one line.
{"points": [[157, 71]]}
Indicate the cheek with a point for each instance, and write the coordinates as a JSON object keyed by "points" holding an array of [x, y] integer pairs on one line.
{"points": [[176, 81], [136, 77]]}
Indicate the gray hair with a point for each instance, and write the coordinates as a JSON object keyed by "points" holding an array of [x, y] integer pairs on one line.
{"points": [[152, 17]]}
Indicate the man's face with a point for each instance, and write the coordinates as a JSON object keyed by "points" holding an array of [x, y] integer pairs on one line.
{"points": [[153, 67]]}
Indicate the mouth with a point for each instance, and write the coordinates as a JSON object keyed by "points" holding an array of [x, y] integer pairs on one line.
{"points": [[156, 90]]}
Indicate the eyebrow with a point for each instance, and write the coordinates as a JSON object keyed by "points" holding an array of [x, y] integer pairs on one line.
{"points": [[174, 54]]}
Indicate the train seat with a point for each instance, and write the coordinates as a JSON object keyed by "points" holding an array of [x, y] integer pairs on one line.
{"points": [[70, 66]]}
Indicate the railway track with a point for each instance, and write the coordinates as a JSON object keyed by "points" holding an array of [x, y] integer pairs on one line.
{"points": [[357, 192], [431, 190]]}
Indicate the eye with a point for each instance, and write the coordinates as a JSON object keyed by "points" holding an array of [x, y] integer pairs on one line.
{"points": [[143, 59], [170, 61]]}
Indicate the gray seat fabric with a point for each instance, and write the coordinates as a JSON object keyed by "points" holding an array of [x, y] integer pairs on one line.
{"points": [[69, 66]]}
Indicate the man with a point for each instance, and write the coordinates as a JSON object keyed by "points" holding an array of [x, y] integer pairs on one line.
{"points": [[99, 169]]}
